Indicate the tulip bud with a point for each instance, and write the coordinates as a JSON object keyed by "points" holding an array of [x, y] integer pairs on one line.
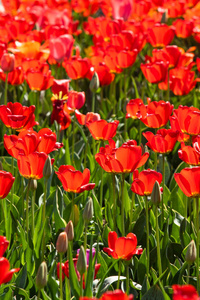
{"points": [[33, 185], [94, 83], [156, 194], [88, 211], [81, 262], [62, 242], [47, 170], [41, 277], [191, 253], [1, 166], [7, 62], [70, 231]]}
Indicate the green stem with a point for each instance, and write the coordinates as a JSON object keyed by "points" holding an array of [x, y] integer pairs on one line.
{"points": [[155, 160], [85, 237], [147, 232], [93, 102], [122, 205], [158, 245], [114, 203], [127, 279], [67, 289], [33, 213], [132, 208], [139, 132], [81, 286], [44, 216], [73, 139], [163, 180], [101, 189], [197, 228], [188, 274], [72, 212], [38, 295], [27, 210], [6, 89], [119, 273], [60, 275]]}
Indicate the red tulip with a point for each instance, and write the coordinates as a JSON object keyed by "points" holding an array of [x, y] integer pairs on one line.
{"points": [[124, 159], [163, 142], [116, 295], [156, 113], [60, 85], [76, 99], [88, 118], [183, 28], [3, 245], [65, 270], [122, 247], [7, 62], [182, 81], [186, 120], [102, 130], [31, 166], [61, 47], [133, 107], [16, 116], [143, 182], [111, 295], [60, 115], [189, 181], [6, 182], [73, 180], [184, 292], [5, 272], [78, 67], [29, 141], [189, 155], [155, 72], [160, 35], [39, 81]]}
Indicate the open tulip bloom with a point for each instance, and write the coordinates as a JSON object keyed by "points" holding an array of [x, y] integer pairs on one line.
{"points": [[73, 180], [122, 247]]}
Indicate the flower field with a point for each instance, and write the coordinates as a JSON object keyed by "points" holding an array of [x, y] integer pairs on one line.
{"points": [[99, 149]]}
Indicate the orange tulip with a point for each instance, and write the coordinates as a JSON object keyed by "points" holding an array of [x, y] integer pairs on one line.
{"points": [[160, 35], [31, 166], [124, 159], [3, 245], [189, 181], [144, 181], [156, 113], [122, 247], [163, 141], [102, 130], [73, 180]]}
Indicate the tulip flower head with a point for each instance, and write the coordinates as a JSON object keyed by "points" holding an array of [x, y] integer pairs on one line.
{"points": [[122, 247], [184, 292], [164, 140], [73, 180], [6, 182], [3, 245], [124, 159], [143, 182], [5, 272], [189, 181], [17, 117]]}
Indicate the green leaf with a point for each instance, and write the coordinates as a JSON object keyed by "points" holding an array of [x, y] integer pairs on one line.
{"points": [[154, 293], [75, 286], [142, 267]]}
